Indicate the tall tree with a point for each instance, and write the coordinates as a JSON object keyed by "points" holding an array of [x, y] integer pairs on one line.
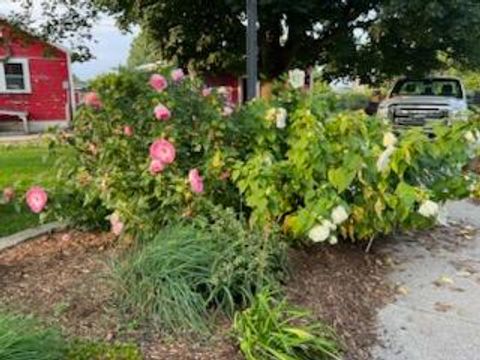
{"points": [[144, 49], [58, 21], [372, 39], [367, 38]]}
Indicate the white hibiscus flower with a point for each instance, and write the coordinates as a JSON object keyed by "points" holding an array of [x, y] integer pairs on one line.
{"points": [[281, 118], [330, 225], [470, 137], [296, 78], [319, 233], [333, 240], [384, 159], [339, 215], [429, 209], [389, 139]]}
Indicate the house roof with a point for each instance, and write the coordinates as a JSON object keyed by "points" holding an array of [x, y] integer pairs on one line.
{"points": [[4, 21]]}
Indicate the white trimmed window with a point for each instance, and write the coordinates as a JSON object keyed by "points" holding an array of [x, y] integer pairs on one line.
{"points": [[15, 76]]}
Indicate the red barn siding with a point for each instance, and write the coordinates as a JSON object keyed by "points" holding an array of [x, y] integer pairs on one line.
{"points": [[228, 81], [48, 98], [49, 79]]}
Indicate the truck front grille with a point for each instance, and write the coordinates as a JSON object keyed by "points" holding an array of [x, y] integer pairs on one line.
{"points": [[408, 115]]}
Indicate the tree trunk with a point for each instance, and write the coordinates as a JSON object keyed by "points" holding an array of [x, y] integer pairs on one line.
{"points": [[266, 89]]}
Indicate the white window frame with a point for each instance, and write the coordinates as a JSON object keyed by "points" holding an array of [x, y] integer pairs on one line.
{"points": [[26, 77]]}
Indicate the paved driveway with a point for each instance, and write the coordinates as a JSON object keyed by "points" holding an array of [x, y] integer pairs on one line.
{"points": [[437, 313]]}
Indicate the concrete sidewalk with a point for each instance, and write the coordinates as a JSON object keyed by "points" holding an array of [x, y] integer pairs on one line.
{"points": [[15, 239], [12, 138], [437, 313]]}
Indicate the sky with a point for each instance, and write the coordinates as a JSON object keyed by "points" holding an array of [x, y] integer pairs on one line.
{"points": [[110, 49]]}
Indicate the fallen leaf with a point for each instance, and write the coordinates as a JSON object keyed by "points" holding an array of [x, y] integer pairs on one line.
{"points": [[442, 307], [443, 280], [110, 336], [389, 261], [402, 290], [464, 273]]}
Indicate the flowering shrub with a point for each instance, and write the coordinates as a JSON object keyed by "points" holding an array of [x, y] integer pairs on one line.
{"points": [[330, 172], [155, 148], [151, 149]]}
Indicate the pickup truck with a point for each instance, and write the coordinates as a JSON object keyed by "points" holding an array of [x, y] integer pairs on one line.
{"points": [[420, 102]]}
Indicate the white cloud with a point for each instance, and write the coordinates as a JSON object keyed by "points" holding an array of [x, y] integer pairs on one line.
{"points": [[110, 51]]}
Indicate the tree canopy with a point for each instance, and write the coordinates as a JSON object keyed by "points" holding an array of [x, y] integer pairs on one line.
{"points": [[144, 50], [58, 21], [370, 39]]}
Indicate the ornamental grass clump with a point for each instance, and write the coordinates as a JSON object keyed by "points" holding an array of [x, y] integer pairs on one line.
{"points": [[271, 329], [190, 272], [22, 338], [160, 281]]}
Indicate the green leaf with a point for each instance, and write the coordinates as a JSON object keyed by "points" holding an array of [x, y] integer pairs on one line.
{"points": [[407, 194], [341, 178]]}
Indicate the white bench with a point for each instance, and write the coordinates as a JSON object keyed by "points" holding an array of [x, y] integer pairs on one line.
{"points": [[22, 115]]}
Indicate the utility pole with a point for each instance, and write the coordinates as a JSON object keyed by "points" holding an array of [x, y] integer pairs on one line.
{"points": [[252, 49]]}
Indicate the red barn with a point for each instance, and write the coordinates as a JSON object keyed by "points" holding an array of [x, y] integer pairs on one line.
{"points": [[36, 82]]}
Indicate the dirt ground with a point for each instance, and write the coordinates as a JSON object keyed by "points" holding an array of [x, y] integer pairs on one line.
{"points": [[62, 278]]}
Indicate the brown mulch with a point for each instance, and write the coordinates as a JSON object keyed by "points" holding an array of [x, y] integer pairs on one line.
{"points": [[61, 278], [344, 287], [474, 165], [57, 277]]}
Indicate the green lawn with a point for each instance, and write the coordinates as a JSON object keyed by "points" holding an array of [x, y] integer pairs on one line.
{"points": [[12, 221], [22, 166]]}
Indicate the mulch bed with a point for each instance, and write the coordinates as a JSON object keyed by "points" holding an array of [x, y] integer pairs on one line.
{"points": [[474, 165], [345, 287], [61, 278]]}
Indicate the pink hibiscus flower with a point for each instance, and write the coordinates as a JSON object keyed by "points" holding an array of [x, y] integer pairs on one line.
{"points": [[156, 166], [117, 228], [162, 112], [8, 194], [116, 224], [227, 111], [196, 181], [177, 75], [128, 131], [36, 199], [163, 150], [93, 100], [158, 82]]}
